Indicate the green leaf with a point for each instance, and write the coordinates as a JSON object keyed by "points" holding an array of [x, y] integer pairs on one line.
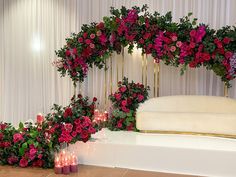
{"points": [[21, 126], [24, 145], [21, 151], [36, 144], [30, 141]]}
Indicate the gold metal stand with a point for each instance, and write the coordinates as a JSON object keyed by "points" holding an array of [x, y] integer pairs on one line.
{"points": [[146, 65], [142, 69], [111, 82], [123, 61], [105, 84]]}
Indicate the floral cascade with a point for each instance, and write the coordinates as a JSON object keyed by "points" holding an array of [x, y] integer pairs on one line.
{"points": [[183, 44], [34, 145], [125, 102]]}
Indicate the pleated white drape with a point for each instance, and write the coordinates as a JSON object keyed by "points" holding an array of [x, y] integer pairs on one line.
{"points": [[31, 30]]}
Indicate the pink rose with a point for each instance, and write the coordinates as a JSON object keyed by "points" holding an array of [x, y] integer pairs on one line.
{"points": [[68, 127], [124, 109], [40, 156], [84, 134], [77, 121], [124, 103], [228, 54], [7, 144], [172, 48], [92, 46], [40, 119], [119, 125], [85, 35], [17, 137], [192, 45], [78, 129], [92, 36], [179, 44], [193, 33], [74, 133], [174, 38], [140, 97], [32, 153], [122, 89], [23, 162], [91, 130]]}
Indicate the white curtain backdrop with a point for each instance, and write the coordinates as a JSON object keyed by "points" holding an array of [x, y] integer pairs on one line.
{"points": [[31, 30]]}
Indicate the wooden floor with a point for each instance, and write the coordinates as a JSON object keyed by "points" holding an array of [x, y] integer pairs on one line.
{"points": [[84, 171]]}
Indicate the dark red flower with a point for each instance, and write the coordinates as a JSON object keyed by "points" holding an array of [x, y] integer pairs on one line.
{"points": [[23, 162], [122, 89], [140, 97], [12, 160], [1, 136], [68, 112], [226, 40], [17, 137], [94, 99], [124, 102]]}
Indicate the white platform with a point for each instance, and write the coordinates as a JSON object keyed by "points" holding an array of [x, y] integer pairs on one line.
{"points": [[183, 154]]}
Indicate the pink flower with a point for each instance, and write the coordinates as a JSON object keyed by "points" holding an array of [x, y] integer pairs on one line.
{"points": [[192, 45], [174, 38], [3, 126], [92, 36], [119, 125], [100, 25], [80, 40], [172, 48], [23, 162], [17, 137], [84, 134], [122, 89], [91, 45], [12, 160], [103, 39], [91, 130], [98, 33], [179, 44], [77, 121], [38, 163], [126, 110], [78, 129], [117, 96], [193, 33], [140, 97], [124, 102], [228, 54], [32, 153], [68, 127], [7, 144], [40, 156]]}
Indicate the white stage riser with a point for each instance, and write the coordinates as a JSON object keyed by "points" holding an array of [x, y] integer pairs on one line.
{"points": [[193, 161]]}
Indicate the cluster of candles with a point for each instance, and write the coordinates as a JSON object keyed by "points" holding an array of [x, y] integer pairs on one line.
{"points": [[65, 162], [100, 116]]}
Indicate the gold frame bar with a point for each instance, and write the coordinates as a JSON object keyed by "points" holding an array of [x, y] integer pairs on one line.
{"points": [[158, 79], [142, 69], [154, 78], [226, 90], [105, 84], [189, 133], [146, 66], [123, 62]]}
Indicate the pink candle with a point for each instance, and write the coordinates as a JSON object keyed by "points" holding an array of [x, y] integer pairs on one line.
{"points": [[66, 169], [58, 169], [74, 168]]}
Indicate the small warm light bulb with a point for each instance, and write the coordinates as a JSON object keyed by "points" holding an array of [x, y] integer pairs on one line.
{"points": [[36, 43]]}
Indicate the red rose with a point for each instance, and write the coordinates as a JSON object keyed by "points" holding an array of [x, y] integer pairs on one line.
{"points": [[68, 52], [122, 89], [1, 136], [80, 40], [100, 25], [85, 35], [38, 163], [140, 97], [228, 54], [77, 121], [3, 126], [40, 156], [192, 45], [67, 113], [124, 102], [17, 137], [88, 41], [124, 109], [84, 134], [117, 96], [119, 125], [78, 129], [23, 162], [226, 40], [74, 133], [91, 130], [7, 144], [32, 153], [193, 33], [94, 99]]}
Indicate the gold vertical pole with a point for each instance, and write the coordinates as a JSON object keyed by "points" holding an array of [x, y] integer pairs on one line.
{"points": [[155, 77], [74, 89], [111, 74], [158, 79], [105, 84], [123, 61], [146, 65], [226, 90], [117, 70], [142, 69], [80, 88]]}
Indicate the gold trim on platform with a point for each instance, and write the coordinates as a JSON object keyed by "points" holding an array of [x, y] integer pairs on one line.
{"points": [[189, 133]]}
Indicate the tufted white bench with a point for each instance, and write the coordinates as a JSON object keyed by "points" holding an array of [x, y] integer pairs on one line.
{"points": [[205, 115]]}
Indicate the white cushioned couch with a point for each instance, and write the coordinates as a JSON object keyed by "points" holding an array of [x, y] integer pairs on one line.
{"points": [[188, 114]]}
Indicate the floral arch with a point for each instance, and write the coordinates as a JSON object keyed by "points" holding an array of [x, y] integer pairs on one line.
{"points": [[183, 44]]}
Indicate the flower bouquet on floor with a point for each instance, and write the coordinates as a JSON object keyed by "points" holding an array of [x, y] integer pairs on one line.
{"points": [[125, 102]]}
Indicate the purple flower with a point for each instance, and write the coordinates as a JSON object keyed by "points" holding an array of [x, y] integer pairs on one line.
{"points": [[232, 65]]}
